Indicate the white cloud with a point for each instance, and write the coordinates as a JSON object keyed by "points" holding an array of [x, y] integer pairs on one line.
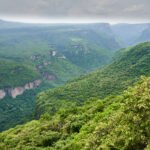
{"points": [[135, 8], [79, 9]]}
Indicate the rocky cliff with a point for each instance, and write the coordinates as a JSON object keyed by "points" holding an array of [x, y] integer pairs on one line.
{"points": [[14, 92], [2, 94]]}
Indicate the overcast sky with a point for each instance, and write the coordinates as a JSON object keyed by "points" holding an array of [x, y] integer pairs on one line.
{"points": [[79, 10]]}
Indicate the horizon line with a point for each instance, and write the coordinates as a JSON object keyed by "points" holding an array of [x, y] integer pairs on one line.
{"points": [[69, 21]]}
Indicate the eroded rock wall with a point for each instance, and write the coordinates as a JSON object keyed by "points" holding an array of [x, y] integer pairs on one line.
{"points": [[14, 92]]}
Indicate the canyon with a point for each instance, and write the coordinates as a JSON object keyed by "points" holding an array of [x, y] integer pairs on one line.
{"points": [[15, 91]]}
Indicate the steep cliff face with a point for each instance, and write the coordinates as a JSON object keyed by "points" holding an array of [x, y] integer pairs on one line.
{"points": [[32, 85], [14, 92], [2, 94]]}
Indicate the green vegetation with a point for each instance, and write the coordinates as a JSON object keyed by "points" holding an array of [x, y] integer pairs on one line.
{"points": [[51, 53], [16, 74], [116, 122], [56, 69], [88, 56], [13, 74], [106, 109], [19, 110], [78, 48], [111, 80]]}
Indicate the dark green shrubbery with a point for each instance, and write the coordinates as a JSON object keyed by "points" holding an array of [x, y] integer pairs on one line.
{"points": [[116, 122], [13, 74], [87, 113]]}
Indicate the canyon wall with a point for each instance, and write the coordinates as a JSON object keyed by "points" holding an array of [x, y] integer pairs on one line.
{"points": [[14, 92], [2, 94]]}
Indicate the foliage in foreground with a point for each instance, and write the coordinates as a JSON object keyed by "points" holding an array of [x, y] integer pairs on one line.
{"points": [[116, 122]]}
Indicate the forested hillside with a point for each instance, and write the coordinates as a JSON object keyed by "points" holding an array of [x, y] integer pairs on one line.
{"points": [[58, 52], [18, 83], [47, 56], [74, 75], [111, 80], [107, 109], [116, 122], [36, 57], [14, 74]]}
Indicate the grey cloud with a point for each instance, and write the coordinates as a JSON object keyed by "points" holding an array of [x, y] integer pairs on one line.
{"points": [[111, 9]]}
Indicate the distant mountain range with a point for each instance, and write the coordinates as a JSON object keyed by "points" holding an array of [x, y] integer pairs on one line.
{"points": [[126, 34], [130, 34]]}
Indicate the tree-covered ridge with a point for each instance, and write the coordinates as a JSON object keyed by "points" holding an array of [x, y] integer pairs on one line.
{"points": [[14, 74], [116, 122], [111, 80], [74, 41], [75, 48]]}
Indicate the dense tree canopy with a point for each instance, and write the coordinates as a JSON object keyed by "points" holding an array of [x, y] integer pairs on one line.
{"points": [[116, 122], [111, 80]]}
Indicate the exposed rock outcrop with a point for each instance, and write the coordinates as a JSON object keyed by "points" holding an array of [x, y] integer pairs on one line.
{"points": [[46, 63], [62, 57], [35, 57], [38, 67], [14, 92], [53, 53], [2, 94], [48, 76]]}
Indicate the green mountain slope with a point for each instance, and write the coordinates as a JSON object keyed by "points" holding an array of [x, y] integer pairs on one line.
{"points": [[86, 113], [16, 75], [110, 80], [117, 122], [55, 70], [89, 41], [53, 53], [13, 78], [13, 74]]}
